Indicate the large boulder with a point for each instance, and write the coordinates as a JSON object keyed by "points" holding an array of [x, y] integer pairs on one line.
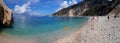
{"points": [[5, 15]]}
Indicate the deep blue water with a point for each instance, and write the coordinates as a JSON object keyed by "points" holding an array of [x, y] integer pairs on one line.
{"points": [[34, 25]]}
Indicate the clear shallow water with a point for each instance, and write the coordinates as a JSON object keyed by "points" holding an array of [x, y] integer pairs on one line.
{"points": [[43, 28]]}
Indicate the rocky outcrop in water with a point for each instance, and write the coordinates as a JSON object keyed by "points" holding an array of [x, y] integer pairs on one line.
{"points": [[5, 15], [89, 8]]}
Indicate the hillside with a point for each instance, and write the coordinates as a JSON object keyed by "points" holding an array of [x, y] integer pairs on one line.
{"points": [[89, 8]]}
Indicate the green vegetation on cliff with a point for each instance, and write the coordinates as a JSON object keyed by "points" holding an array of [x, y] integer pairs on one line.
{"points": [[89, 8]]}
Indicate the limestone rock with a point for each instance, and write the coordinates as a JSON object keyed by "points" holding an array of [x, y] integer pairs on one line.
{"points": [[5, 15]]}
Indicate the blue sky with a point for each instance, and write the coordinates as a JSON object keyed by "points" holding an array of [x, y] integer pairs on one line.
{"points": [[41, 7]]}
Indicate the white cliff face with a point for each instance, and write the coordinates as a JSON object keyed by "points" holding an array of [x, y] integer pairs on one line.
{"points": [[71, 13], [6, 14]]}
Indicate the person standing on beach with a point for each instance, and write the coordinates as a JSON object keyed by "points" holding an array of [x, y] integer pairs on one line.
{"points": [[108, 17], [115, 16]]}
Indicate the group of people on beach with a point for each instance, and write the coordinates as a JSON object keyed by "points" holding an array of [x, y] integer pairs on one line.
{"points": [[94, 17], [109, 17]]}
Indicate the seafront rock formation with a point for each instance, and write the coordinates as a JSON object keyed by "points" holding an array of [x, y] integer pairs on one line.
{"points": [[89, 8], [5, 15]]}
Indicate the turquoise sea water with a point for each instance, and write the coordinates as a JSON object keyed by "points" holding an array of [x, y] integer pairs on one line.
{"points": [[44, 27]]}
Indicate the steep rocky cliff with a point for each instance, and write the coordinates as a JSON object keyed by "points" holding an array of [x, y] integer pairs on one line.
{"points": [[5, 15], [115, 12], [89, 8]]}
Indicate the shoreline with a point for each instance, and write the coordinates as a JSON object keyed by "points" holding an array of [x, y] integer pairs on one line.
{"points": [[97, 30], [6, 38], [71, 37]]}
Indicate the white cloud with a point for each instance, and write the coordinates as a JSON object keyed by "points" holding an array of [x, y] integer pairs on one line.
{"points": [[66, 4], [70, 2], [22, 9], [34, 1], [25, 8], [74, 2], [34, 13]]}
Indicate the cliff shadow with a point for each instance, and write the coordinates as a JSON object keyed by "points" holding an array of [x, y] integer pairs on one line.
{"points": [[5, 27]]}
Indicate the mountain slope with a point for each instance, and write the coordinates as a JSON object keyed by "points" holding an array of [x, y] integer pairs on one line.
{"points": [[116, 11], [89, 8]]}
